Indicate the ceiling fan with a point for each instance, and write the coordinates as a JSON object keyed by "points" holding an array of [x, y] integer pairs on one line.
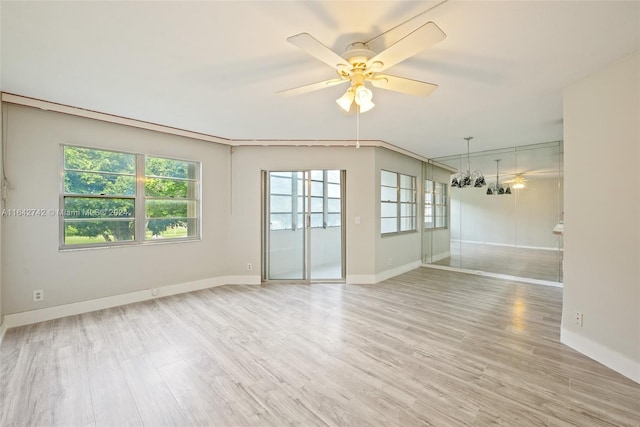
{"points": [[359, 65]]}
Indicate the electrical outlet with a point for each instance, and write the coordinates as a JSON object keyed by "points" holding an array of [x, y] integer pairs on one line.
{"points": [[38, 295], [249, 266], [390, 261], [154, 292], [579, 318]]}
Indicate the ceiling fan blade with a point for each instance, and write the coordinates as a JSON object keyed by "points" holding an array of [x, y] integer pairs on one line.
{"points": [[311, 87], [313, 47], [404, 85], [414, 42]]}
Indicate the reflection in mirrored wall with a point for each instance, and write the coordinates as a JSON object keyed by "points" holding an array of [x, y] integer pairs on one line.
{"points": [[507, 227]]}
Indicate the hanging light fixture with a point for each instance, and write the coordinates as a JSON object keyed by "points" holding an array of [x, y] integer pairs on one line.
{"points": [[467, 178], [346, 100], [363, 98], [359, 93], [495, 188]]}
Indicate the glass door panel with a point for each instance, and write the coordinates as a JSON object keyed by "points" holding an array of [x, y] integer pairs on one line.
{"points": [[326, 225], [286, 215]]}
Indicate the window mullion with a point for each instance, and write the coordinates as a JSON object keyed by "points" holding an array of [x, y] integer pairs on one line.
{"points": [[140, 210], [399, 204], [325, 202], [294, 201]]}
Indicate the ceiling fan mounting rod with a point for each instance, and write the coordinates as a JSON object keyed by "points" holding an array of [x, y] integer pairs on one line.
{"points": [[358, 49]]}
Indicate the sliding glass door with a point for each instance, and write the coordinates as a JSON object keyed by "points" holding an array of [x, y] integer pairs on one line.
{"points": [[303, 218]]}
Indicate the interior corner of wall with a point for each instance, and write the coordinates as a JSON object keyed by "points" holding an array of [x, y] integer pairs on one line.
{"points": [[610, 358]]}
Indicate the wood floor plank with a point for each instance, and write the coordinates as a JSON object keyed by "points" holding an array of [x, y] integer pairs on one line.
{"points": [[155, 402], [429, 347], [109, 389], [28, 400], [540, 264], [70, 393]]}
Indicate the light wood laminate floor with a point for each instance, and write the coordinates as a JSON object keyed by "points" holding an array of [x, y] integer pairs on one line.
{"points": [[539, 264], [429, 347]]}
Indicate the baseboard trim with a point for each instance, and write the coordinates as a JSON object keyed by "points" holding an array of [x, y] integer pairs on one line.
{"points": [[366, 279], [496, 275], [438, 257], [609, 358], [360, 279], [388, 274], [56, 312]]}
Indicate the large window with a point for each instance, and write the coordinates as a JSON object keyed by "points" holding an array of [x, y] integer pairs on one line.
{"points": [[111, 197], [435, 204], [397, 202], [288, 194]]}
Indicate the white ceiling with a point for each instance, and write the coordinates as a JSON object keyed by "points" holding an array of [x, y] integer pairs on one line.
{"points": [[215, 67]]}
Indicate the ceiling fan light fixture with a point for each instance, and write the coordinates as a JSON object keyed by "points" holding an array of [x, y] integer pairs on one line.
{"points": [[346, 100], [366, 106], [363, 98], [359, 64], [363, 95], [518, 182]]}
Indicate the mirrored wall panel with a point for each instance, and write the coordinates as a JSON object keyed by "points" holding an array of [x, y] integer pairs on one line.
{"points": [[511, 225]]}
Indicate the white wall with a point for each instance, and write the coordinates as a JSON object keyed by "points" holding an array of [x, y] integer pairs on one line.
{"points": [[1, 207], [398, 252], [231, 221], [31, 258], [602, 216], [523, 219], [245, 227]]}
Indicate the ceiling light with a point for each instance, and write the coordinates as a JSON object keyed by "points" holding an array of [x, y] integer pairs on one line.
{"points": [[467, 178], [495, 188], [358, 93], [363, 95], [365, 106], [518, 182], [346, 100], [363, 98]]}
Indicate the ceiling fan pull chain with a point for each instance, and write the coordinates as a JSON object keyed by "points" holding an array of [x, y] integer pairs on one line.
{"points": [[357, 126]]}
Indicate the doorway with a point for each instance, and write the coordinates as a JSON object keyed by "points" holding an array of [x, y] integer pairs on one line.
{"points": [[303, 225]]}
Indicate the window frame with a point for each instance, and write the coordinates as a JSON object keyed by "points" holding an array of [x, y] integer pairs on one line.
{"points": [[399, 203], [434, 205], [297, 216], [139, 202], [195, 183]]}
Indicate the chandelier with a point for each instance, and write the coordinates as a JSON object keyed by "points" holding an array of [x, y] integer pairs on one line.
{"points": [[463, 179], [495, 188]]}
